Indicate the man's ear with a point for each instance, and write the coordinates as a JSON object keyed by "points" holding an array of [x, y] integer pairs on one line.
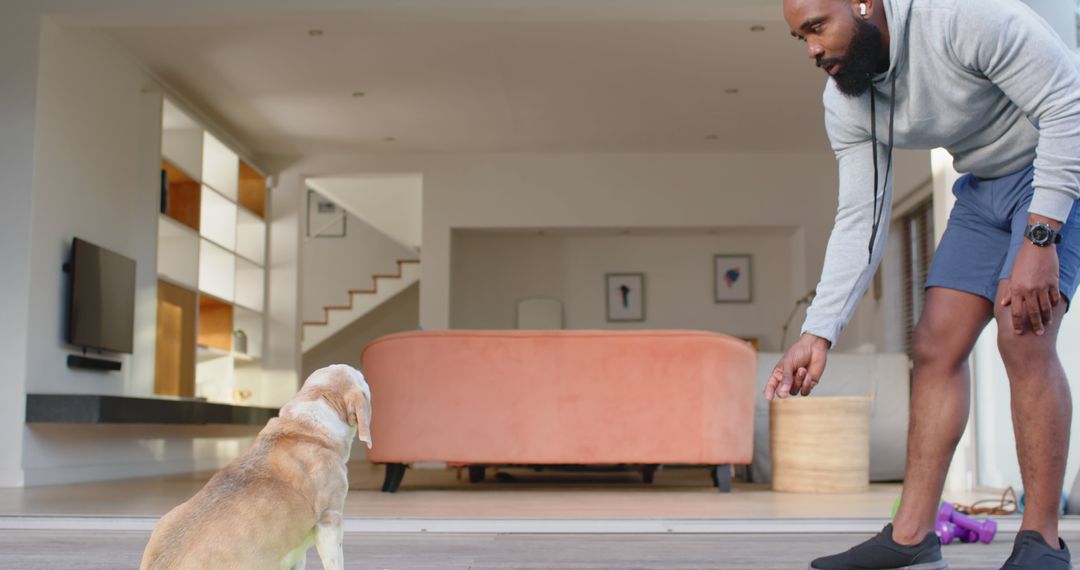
{"points": [[360, 414]]}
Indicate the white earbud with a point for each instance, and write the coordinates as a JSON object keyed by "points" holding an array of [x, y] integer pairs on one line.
{"points": [[862, 9]]}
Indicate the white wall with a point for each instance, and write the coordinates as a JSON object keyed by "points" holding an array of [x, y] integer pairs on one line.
{"points": [[95, 136], [399, 313], [493, 270], [469, 191], [391, 203], [19, 40], [332, 266], [58, 454], [91, 133]]}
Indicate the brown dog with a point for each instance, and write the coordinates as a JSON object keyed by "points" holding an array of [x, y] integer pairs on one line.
{"points": [[285, 494]]}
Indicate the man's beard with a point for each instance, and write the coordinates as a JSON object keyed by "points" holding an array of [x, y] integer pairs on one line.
{"points": [[859, 65]]}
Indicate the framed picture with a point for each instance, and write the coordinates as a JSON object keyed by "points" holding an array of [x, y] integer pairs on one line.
{"points": [[625, 297], [325, 219], [732, 279]]}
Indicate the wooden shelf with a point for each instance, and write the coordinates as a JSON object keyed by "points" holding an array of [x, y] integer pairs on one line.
{"points": [[252, 190], [205, 353], [174, 363], [215, 324], [183, 196]]}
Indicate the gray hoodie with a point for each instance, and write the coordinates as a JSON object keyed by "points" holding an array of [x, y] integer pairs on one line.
{"points": [[989, 81]]}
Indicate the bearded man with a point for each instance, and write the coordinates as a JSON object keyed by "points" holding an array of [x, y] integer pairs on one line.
{"points": [[991, 82]]}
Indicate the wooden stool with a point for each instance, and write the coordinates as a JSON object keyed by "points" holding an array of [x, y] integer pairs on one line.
{"points": [[820, 444]]}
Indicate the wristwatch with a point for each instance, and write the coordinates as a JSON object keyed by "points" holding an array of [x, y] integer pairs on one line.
{"points": [[1042, 234]]}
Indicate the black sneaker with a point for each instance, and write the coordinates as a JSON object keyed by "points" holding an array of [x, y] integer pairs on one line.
{"points": [[881, 553], [1031, 552]]}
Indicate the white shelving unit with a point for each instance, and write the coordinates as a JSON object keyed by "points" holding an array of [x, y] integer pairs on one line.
{"points": [[220, 167], [218, 218], [250, 280], [212, 240], [217, 271], [251, 237], [178, 252]]}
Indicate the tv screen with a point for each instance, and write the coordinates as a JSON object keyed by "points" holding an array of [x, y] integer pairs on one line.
{"points": [[102, 303]]}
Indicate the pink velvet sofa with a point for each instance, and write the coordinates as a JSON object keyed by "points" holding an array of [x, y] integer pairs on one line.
{"points": [[482, 398]]}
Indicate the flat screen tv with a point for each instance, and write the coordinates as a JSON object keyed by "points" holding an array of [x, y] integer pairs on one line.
{"points": [[101, 310]]}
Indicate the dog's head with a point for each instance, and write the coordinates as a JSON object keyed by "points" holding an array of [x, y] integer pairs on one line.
{"points": [[346, 392]]}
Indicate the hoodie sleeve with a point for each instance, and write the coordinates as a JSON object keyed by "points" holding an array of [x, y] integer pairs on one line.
{"points": [[847, 271], [1013, 47]]}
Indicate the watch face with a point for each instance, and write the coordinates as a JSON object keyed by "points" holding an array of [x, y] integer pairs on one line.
{"points": [[1040, 234]]}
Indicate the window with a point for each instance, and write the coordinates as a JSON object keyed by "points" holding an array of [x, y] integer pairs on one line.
{"points": [[918, 250]]}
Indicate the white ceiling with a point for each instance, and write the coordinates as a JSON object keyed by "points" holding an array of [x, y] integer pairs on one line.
{"points": [[490, 75]]}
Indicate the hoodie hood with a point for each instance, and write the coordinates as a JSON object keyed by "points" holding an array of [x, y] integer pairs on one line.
{"points": [[898, 14]]}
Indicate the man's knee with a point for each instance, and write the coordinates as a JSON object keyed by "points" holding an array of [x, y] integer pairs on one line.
{"points": [[932, 346], [1026, 351]]}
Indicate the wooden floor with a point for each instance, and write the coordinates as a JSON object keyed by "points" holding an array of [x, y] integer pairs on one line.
{"points": [[526, 500], [88, 550], [683, 493]]}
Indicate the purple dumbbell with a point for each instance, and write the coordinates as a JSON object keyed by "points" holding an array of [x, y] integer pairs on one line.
{"points": [[983, 531], [947, 532]]}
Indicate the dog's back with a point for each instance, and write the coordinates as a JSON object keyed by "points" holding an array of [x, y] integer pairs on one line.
{"points": [[269, 484]]}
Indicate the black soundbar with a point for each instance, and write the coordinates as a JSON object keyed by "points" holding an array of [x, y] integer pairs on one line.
{"points": [[87, 363]]}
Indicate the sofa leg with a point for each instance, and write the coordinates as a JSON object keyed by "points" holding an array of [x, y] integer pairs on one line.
{"points": [[395, 472], [648, 473], [721, 475], [476, 473]]}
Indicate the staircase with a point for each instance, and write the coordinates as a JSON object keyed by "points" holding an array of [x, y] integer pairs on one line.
{"points": [[361, 301]]}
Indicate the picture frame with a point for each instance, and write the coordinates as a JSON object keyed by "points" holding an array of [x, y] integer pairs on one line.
{"points": [[325, 219], [625, 297], [733, 280]]}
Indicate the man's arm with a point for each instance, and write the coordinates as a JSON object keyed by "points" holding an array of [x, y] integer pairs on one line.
{"points": [[846, 272], [1010, 45], [1019, 52]]}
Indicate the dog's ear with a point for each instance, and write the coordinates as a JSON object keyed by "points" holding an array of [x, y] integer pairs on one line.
{"points": [[359, 414]]}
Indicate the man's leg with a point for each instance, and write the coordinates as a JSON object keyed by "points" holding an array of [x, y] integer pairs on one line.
{"points": [[1042, 414], [940, 398]]}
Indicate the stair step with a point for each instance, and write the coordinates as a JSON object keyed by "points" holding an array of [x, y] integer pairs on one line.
{"points": [[362, 304]]}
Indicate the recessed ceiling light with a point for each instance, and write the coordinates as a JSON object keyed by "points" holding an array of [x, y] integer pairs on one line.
{"points": [[731, 91], [758, 28], [358, 94], [315, 33], [712, 137]]}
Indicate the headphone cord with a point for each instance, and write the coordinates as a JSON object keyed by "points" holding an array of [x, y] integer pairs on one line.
{"points": [[879, 211]]}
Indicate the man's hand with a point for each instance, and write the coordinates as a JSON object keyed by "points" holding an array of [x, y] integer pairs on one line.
{"points": [[800, 368], [1033, 285]]}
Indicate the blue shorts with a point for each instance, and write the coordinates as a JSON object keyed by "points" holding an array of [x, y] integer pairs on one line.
{"points": [[986, 229]]}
